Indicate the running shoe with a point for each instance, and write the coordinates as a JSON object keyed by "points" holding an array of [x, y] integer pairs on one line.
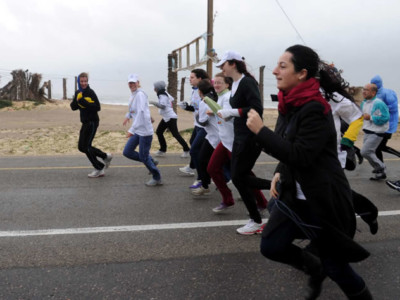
{"points": [[261, 228], [107, 160], [250, 228], [96, 173], [221, 208], [153, 182], [378, 176], [394, 184], [196, 184], [160, 154], [185, 154], [187, 170], [201, 191]]}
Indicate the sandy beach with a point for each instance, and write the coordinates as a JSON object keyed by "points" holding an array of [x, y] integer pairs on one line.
{"points": [[53, 128]]}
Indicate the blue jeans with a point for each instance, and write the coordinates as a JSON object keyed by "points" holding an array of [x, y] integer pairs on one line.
{"points": [[196, 141], [143, 155]]}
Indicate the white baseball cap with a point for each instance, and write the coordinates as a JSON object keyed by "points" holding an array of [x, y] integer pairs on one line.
{"points": [[133, 78], [229, 55]]}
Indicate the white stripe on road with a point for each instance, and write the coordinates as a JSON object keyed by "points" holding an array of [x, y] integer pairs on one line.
{"points": [[132, 228]]}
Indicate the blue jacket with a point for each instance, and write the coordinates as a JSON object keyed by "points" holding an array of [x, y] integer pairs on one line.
{"points": [[390, 98]]}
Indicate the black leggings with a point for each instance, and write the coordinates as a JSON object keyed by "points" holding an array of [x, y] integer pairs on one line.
{"points": [[278, 245], [205, 154], [244, 156], [173, 128], [86, 136]]}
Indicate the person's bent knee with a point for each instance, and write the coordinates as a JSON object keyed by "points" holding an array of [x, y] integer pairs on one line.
{"points": [[365, 153], [125, 153], [159, 132], [82, 149], [211, 169]]}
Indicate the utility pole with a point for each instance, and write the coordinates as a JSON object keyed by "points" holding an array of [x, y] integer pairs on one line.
{"points": [[210, 33]]}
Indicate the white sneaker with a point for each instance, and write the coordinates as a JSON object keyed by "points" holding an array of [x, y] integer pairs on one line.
{"points": [[196, 184], [187, 170], [96, 173], [160, 153], [153, 182], [250, 228], [107, 160], [201, 191], [221, 208], [185, 154]]}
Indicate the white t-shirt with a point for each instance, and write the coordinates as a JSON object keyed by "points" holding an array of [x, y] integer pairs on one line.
{"points": [[166, 113], [225, 128], [211, 127], [195, 102], [235, 85], [140, 113]]}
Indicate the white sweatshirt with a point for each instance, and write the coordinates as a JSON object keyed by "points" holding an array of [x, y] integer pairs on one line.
{"points": [[140, 113]]}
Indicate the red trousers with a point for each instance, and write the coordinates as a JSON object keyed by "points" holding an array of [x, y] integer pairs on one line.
{"points": [[220, 157]]}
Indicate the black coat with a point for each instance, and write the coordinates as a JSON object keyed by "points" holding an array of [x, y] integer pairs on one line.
{"points": [[246, 97], [305, 144], [88, 105]]}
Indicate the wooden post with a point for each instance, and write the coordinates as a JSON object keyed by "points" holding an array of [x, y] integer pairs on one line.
{"points": [[64, 88], [180, 59], [76, 83], [49, 89], [182, 96], [197, 51], [187, 55], [172, 77], [209, 36], [261, 84]]}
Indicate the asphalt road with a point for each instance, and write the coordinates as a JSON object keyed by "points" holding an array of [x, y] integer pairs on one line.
{"points": [[66, 236]]}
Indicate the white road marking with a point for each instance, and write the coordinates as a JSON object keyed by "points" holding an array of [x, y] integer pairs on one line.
{"points": [[132, 228]]}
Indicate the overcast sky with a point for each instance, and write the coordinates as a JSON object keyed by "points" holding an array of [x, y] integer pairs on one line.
{"points": [[112, 38]]}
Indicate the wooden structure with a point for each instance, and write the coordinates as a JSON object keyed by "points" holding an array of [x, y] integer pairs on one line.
{"points": [[24, 86], [180, 58]]}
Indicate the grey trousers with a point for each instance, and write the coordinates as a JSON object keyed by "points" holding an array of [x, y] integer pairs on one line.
{"points": [[371, 142]]}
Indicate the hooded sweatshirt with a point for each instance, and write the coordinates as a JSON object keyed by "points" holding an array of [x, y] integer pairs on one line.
{"points": [[390, 98]]}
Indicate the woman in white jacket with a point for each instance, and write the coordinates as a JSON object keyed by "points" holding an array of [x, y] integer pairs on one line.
{"points": [[169, 120], [141, 131]]}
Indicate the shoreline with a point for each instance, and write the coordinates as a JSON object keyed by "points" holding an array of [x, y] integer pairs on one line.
{"points": [[52, 129]]}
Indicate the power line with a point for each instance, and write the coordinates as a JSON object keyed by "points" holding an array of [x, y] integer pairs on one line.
{"points": [[291, 23]]}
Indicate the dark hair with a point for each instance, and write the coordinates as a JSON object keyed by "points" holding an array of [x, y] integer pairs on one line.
{"points": [[240, 67], [200, 73], [84, 74], [227, 80], [331, 81], [207, 89]]}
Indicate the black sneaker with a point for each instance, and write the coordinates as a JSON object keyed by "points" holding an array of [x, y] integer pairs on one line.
{"points": [[378, 176], [394, 184]]}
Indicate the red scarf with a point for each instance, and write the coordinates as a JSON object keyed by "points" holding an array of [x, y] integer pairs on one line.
{"points": [[302, 94]]}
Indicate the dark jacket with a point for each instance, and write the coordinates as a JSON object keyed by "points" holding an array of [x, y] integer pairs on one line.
{"points": [[305, 144], [247, 96], [88, 105]]}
